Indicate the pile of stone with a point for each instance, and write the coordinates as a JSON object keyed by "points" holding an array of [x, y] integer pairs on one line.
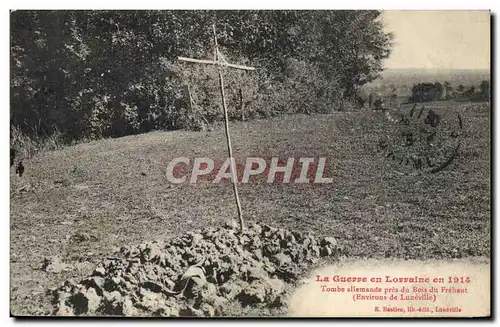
{"points": [[197, 274]]}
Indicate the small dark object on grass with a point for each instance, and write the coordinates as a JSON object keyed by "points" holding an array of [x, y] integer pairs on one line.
{"points": [[20, 169], [460, 123], [429, 163], [431, 136], [421, 111], [383, 144], [413, 110], [432, 119]]}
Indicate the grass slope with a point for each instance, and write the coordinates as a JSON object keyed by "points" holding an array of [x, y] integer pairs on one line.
{"points": [[116, 190]]}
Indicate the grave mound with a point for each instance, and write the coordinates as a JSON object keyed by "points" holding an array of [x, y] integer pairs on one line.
{"points": [[201, 273]]}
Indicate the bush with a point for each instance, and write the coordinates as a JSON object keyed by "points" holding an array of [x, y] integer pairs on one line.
{"points": [[27, 145], [98, 73]]}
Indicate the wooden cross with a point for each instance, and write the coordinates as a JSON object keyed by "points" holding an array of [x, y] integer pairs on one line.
{"points": [[220, 62]]}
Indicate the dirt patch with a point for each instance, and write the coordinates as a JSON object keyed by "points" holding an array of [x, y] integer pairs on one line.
{"points": [[202, 273]]}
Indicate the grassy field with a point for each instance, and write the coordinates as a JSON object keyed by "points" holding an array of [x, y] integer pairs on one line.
{"points": [[114, 192]]}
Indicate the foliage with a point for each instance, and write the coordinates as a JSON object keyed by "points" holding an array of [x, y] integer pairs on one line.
{"points": [[424, 92], [26, 146], [91, 74], [484, 92]]}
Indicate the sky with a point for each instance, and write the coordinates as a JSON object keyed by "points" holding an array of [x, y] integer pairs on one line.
{"points": [[439, 39]]}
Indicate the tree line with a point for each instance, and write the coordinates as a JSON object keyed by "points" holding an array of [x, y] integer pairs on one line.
{"points": [[424, 92], [92, 74]]}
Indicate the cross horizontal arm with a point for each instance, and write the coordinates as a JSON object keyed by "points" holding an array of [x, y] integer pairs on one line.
{"points": [[211, 62]]}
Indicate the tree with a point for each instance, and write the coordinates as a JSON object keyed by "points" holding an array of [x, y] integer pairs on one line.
{"points": [[485, 90], [423, 92], [448, 90], [439, 91], [469, 94], [112, 73], [356, 48]]}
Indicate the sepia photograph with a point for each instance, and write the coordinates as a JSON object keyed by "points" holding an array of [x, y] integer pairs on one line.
{"points": [[250, 163]]}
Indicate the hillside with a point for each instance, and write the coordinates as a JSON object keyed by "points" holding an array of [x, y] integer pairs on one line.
{"points": [[105, 194]]}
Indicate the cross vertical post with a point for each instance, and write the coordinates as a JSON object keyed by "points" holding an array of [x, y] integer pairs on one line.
{"points": [[221, 62]]}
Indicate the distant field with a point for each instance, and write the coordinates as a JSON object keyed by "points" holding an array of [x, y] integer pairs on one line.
{"points": [[455, 77], [116, 191], [404, 79]]}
